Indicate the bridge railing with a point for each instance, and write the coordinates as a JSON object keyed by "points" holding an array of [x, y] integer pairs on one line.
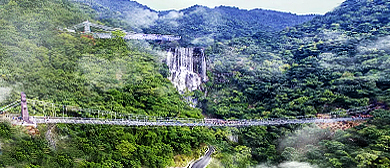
{"points": [[181, 123], [44, 112]]}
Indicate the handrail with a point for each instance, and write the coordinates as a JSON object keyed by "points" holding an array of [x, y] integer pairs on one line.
{"points": [[115, 118]]}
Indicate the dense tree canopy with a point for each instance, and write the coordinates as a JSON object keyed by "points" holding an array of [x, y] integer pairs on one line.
{"points": [[336, 61]]}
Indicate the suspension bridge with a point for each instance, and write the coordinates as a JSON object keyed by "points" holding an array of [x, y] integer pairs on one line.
{"points": [[107, 33], [45, 113]]}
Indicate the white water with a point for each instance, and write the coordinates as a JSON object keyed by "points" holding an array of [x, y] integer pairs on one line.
{"points": [[187, 67]]}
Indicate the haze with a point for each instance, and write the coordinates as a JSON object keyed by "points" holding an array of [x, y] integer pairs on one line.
{"points": [[293, 6]]}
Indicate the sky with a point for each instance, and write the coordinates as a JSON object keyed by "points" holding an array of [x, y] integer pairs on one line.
{"points": [[293, 6]]}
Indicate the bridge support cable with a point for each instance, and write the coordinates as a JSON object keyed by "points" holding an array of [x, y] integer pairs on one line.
{"points": [[87, 116], [167, 123], [10, 106], [41, 108]]}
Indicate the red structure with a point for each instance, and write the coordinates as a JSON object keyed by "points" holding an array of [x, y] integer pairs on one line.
{"points": [[24, 109]]}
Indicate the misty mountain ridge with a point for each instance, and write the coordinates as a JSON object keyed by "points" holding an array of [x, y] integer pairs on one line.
{"points": [[196, 23]]}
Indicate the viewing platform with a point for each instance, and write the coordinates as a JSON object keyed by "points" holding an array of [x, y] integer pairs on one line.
{"points": [[129, 35]]}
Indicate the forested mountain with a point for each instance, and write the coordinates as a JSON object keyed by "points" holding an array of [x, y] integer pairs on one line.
{"points": [[198, 25], [257, 69], [36, 57], [336, 61], [313, 55]]}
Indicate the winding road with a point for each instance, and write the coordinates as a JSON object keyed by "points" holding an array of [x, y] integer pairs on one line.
{"points": [[205, 160]]}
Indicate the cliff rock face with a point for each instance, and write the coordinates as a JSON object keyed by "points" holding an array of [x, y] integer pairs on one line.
{"points": [[187, 67]]}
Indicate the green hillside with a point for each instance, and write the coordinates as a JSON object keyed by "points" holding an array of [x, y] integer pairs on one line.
{"points": [[332, 62], [197, 25], [319, 68], [72, 69]]}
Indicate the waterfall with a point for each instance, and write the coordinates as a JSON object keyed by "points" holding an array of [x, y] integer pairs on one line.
{"points": [[204, 76], [187, 67]]}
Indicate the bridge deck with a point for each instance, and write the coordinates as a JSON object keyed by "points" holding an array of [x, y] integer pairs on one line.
{"points": [[202, 123], [114, 118]]}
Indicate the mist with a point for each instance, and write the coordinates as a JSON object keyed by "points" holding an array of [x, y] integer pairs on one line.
{"points": [[289, 165], [203, 41], [104, 73], [4, 93], [140, 18], [305, 136], [171, 18], [382, 43]]}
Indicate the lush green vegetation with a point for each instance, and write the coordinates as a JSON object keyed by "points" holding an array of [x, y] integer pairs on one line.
{"points": [[200, 25], [315, 68], [77, 70], [362, 146], [101, 146], [47, 64], [336, 61], [329, 63], [197, 25]]}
